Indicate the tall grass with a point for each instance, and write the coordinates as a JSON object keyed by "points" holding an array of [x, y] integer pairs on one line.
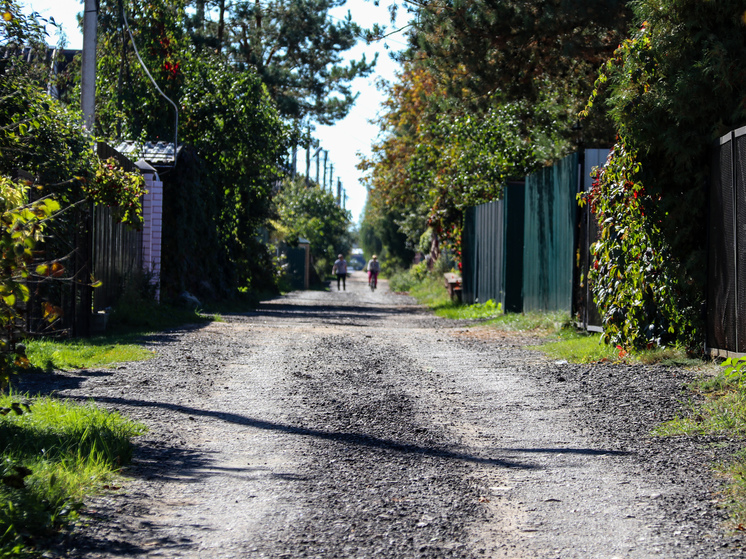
{"points": [[51, 457]]}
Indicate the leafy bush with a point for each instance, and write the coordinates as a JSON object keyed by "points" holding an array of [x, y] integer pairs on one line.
{"points": [[671, 89], [638, 285]]}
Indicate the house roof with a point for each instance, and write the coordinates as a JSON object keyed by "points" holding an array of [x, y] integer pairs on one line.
{"points": [[155, 153]]}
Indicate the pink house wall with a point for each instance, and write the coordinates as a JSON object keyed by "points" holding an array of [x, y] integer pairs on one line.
{"points": [[152, 228]]}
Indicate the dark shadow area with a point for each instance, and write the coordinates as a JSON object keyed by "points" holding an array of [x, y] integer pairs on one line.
{"points": [[356, 439], [337, 312]]}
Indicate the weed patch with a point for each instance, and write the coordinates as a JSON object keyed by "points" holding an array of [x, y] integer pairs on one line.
{"points": [[53, 454], [721, 412]]}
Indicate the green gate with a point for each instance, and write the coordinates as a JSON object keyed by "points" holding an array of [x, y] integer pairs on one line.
{"points": [[549, 236]]}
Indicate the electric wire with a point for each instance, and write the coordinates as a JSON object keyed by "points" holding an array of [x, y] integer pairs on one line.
{"points": [[137, 54]]}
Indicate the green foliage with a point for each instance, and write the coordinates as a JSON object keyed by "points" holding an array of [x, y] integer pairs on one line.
{"points": [[439, 154], [296, 48], [53, 453], [513, 46], [671, 89], [44, 141], [50, 355], [308, 211], [479, 311], [488, 92], [114, 187], [638, 285], [21, 227], [577, 347], [217, 199], [735, 372]]}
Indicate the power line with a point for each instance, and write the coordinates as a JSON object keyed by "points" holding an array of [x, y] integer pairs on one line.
{"points": [[137, 54]]}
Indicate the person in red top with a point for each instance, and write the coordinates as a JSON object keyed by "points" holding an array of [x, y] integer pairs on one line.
{"points": [[340, 268]]}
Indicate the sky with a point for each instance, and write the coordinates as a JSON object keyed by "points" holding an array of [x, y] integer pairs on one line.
{"points": [[345, 139]]}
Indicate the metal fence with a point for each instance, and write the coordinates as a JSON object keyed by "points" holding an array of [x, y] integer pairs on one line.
{"points": [[549, 236], [492, 250], [116, 249], [529, 250], [726, 285], [90, 243], [116, 257]]}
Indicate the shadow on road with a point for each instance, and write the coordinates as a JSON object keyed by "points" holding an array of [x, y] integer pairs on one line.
{"points": [[363, 440]]}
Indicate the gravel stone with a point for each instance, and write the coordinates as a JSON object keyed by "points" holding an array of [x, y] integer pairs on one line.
{"points": [[355, 424]]}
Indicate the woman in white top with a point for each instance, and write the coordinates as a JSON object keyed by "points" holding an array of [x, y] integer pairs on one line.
{"points": [[340, 268]]}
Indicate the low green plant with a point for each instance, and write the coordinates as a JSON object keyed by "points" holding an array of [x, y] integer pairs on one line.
{"points": [[83, 353], [734, 494], [576, 346], [720, 410], [579, 347], [479, 311], [53, 453], [402, 281]]}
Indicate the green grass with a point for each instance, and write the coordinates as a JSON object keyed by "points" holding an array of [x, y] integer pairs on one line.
{"points": [[68, 450], [578, 347], [720, 411], [575, 346], [429, 290], [734, 495], [49, 355]]}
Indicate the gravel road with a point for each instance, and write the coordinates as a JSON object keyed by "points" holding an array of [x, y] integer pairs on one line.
{"points": [[355, 424]]}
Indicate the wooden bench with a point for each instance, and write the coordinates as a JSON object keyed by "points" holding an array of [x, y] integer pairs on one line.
{"points": [[453, 285]]}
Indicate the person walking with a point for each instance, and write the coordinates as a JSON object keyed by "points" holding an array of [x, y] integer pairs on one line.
{"points": [[340, 268], [374, 266]]}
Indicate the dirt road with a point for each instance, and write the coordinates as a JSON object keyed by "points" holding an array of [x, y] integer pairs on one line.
{"points": [[354, 424]]}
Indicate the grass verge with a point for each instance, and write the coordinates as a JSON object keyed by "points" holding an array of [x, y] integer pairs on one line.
{"points": [[52, 456], [132, 318], [575, 346], [429, 290], [722, 411], [50, 355]]}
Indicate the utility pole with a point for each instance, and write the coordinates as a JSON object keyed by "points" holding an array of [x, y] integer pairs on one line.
{"points": [[317, 165], [326, 156], [308, 161], [88, 70]]}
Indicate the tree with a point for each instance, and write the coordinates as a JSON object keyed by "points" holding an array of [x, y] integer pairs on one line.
{"points": [[437, 158], [511, 45], [308, 211], [294, 46], [232, 133], [489, 91], [675, 86], [47, 162]]}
